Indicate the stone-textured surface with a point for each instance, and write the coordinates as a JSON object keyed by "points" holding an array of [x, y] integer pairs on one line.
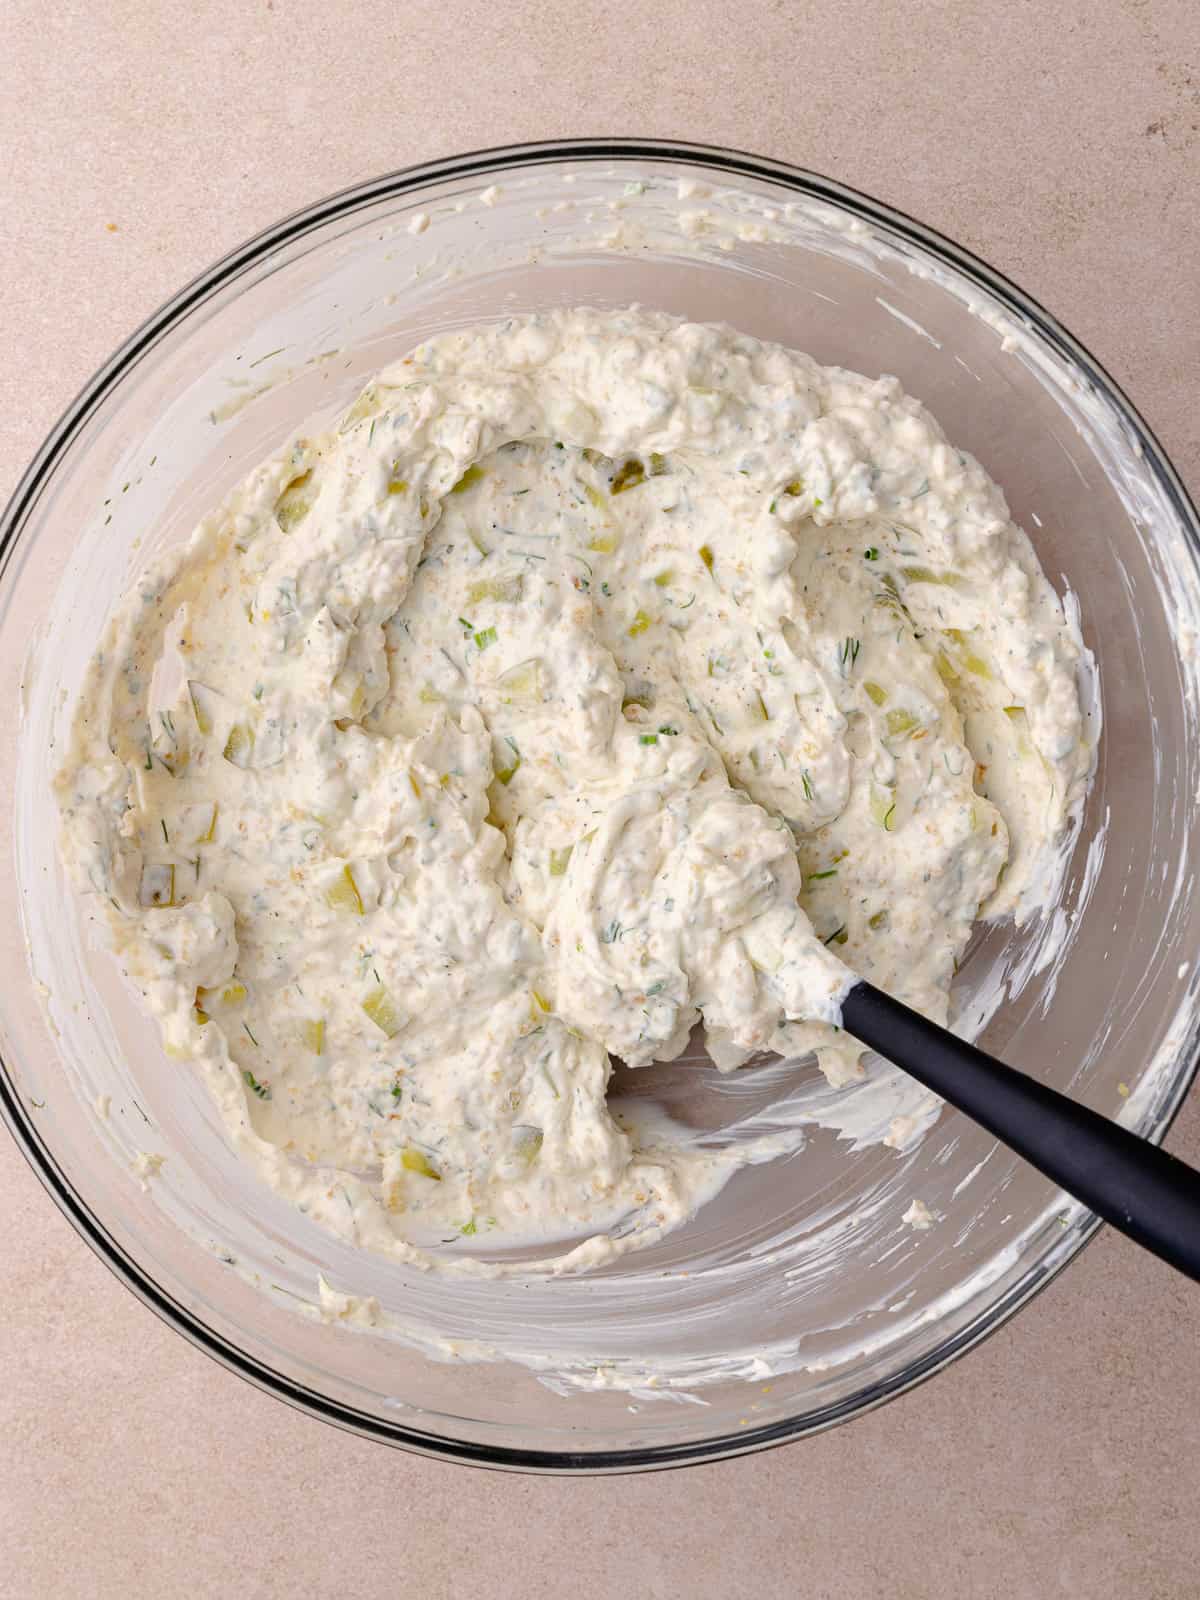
{"points": [[142, 139]]}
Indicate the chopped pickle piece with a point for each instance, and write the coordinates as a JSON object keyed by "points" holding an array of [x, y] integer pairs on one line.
{"points": [[429, 696], [204, 704], [522, 682], [504, 589], [945, 670], [639, 624], [540, 1003], [1016, 713], [900, 723], [760, 708], [381, 1009], [312, 1033], [927, 575], [559, 860], [973, 663], [295, 502], [397, 485], [875, 691], [628, 476], [658, 464], [343, 895], [361, 409], [414, 1160], [157, 886], [706, 556], [485, 638], [527, 1143], [662, 579], [472, 475], [239, 746], [604, 543], [196, 824], [880, 919], [883, 807], [414, 785]]}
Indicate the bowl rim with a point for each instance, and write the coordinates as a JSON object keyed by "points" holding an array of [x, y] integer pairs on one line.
{"points": [[726, 163]]}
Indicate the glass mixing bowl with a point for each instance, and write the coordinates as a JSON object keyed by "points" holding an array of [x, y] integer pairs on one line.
{"points": [[799, 1296]]}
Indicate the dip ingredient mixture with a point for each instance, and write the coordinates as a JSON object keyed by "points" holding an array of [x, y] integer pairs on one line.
{"points": [[595, 676]]}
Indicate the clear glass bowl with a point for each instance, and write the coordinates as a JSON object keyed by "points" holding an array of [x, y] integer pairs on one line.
{"points": [[799, 1297]]}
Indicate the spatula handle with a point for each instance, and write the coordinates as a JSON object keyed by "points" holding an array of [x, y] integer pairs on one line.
{"points": [[1140, 1189]]}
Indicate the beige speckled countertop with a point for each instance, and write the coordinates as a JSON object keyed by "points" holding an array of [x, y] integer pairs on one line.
{"points": [[142, 139]]}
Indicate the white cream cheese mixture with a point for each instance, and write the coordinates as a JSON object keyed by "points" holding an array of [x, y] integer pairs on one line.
{"points": [[594, 676]]}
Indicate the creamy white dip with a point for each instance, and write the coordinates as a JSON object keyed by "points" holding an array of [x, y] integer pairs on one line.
{"points": [[596, 675]]}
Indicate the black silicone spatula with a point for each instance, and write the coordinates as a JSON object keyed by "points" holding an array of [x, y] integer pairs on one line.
{"points": [[1140, 1189]]}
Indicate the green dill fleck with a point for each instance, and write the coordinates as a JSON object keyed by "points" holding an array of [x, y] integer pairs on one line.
{"points": [[469, 1228], [463, 623], [848, 653], [806, 781], [253, 1040], [647, 738], [838, 936], [669, 730], [262, 1090], [830, 872], [612, 933], [163, 825], [871, 553]]}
